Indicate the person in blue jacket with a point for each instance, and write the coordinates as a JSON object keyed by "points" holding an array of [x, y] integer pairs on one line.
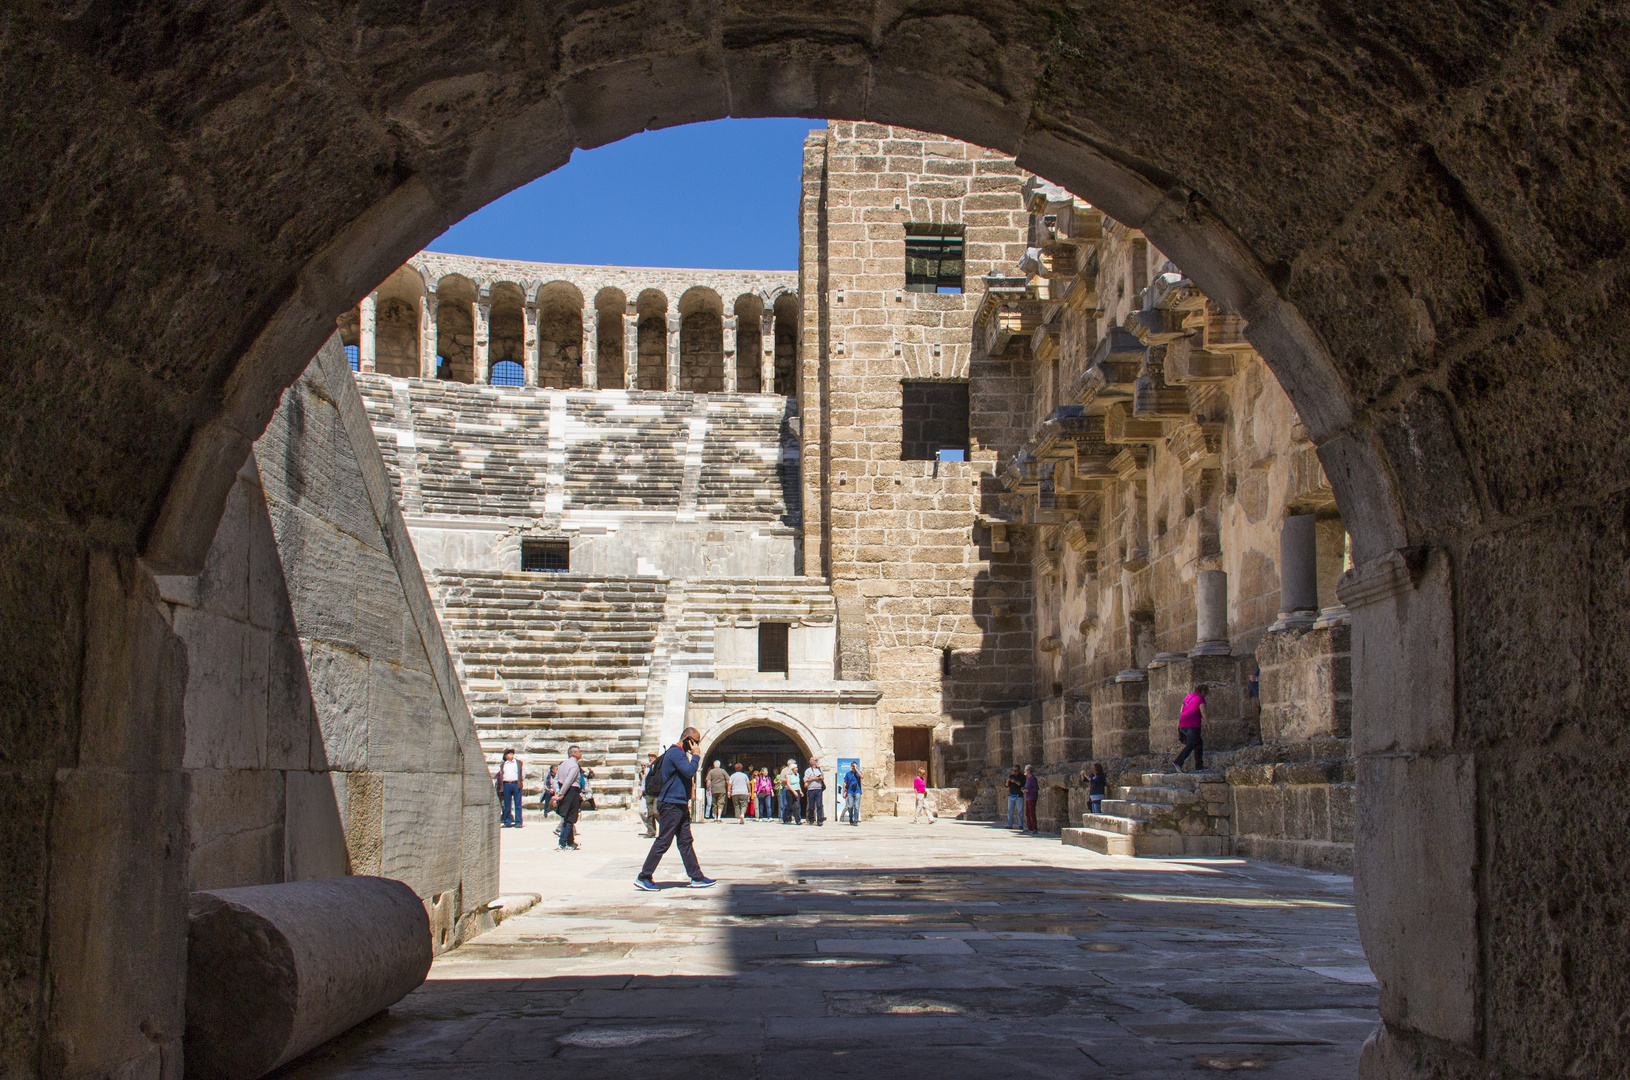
{"points": [[678, 767]]}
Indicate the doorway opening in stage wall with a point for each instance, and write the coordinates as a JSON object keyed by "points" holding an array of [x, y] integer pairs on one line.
{"points": [[758, 747], [910, 754]]}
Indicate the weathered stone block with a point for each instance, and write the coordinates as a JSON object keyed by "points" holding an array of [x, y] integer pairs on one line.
{"points": [[234, 828], [1120, 719], [340, 685], [404, 712], [423, 824], [1066, 729], [1420, 929], [313, 834], [1306, 684]]}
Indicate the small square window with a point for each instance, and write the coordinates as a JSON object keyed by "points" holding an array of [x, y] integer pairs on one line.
{"points": [[933, 420], [934, 258], [772, 646], [546, 556]]}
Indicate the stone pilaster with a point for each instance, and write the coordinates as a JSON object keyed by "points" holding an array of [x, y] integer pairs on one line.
{"points": [[367, 342], [529, 344], [672, 382], [591, 347], [480, 318], [729, 342], [1066, 730], [766, 382], [427, 335], [631, 349], [1120, 716]]}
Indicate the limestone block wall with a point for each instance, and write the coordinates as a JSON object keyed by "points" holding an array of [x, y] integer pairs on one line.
{"points": [[1299, 809], [947, 619], [1306, 683], [326, 733]]}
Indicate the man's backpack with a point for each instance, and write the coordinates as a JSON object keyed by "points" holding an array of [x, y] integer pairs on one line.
{"points": [[653, 778]]}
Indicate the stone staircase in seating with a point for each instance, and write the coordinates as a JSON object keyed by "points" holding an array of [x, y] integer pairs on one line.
{"points": [[553, 659], [1163, 814]]}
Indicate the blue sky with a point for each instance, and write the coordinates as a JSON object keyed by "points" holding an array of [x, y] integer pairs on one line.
{"points": [[717, 196]]}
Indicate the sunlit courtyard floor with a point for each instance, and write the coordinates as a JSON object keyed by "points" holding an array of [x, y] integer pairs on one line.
{"points": [[888, 950]]}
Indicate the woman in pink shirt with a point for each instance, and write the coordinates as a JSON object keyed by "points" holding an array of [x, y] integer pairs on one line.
{"points": [[919, 784], [763, 789], [1190, 726]]}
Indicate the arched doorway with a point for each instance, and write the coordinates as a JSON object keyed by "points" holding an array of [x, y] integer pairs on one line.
{"points": [[761, 746], [1335, 207]]}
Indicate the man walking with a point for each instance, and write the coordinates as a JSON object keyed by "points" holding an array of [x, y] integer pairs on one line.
{"points": [[569, 796], [1015, 799], [718, 784], [740, 789], [815, 794], [851, 794], [510, 775], [651, 787], [678, 768]]}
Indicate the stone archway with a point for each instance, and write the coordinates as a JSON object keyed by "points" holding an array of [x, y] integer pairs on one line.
{"points": [[799, 733], [1423, 222]]}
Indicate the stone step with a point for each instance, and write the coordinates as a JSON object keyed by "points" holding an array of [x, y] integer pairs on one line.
{"points": [[1144, 842], [1163, 795], [1183, 781], [1105, 843]]}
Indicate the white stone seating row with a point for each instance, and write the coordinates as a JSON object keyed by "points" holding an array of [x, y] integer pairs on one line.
{"points": [[743, 477], [626, 452], [484, 451]]}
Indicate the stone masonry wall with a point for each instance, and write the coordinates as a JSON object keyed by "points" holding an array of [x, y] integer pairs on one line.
{"points": [[325, 731], [903, 535]]}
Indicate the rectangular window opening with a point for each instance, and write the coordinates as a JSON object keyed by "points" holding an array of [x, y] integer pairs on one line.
{"points": [[934, 258], [353, 356], [933, 420], [546, 556], [772, 647]]}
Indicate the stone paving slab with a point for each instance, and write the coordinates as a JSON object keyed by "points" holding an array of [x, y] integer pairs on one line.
{"points": [[961, 950]]}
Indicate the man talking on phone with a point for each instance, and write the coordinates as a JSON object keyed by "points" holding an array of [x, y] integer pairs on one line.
{"points": [[678, 767]]}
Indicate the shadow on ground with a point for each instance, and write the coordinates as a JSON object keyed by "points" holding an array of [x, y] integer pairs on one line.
{"points": [[908, 971]]}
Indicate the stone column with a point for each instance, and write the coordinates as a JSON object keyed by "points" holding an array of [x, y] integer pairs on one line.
{"points": [[673, 350], [766, 383], [1211, 614], [480, 316], [529, 344], [631, 349], [729, 341], [1298, 573], [427, 336], [591, 346], [367, 343]]}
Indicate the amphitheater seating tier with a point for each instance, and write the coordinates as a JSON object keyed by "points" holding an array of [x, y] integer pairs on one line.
{"points": [[485, 451], [626, 454], [744, 475], [548, 660]]}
